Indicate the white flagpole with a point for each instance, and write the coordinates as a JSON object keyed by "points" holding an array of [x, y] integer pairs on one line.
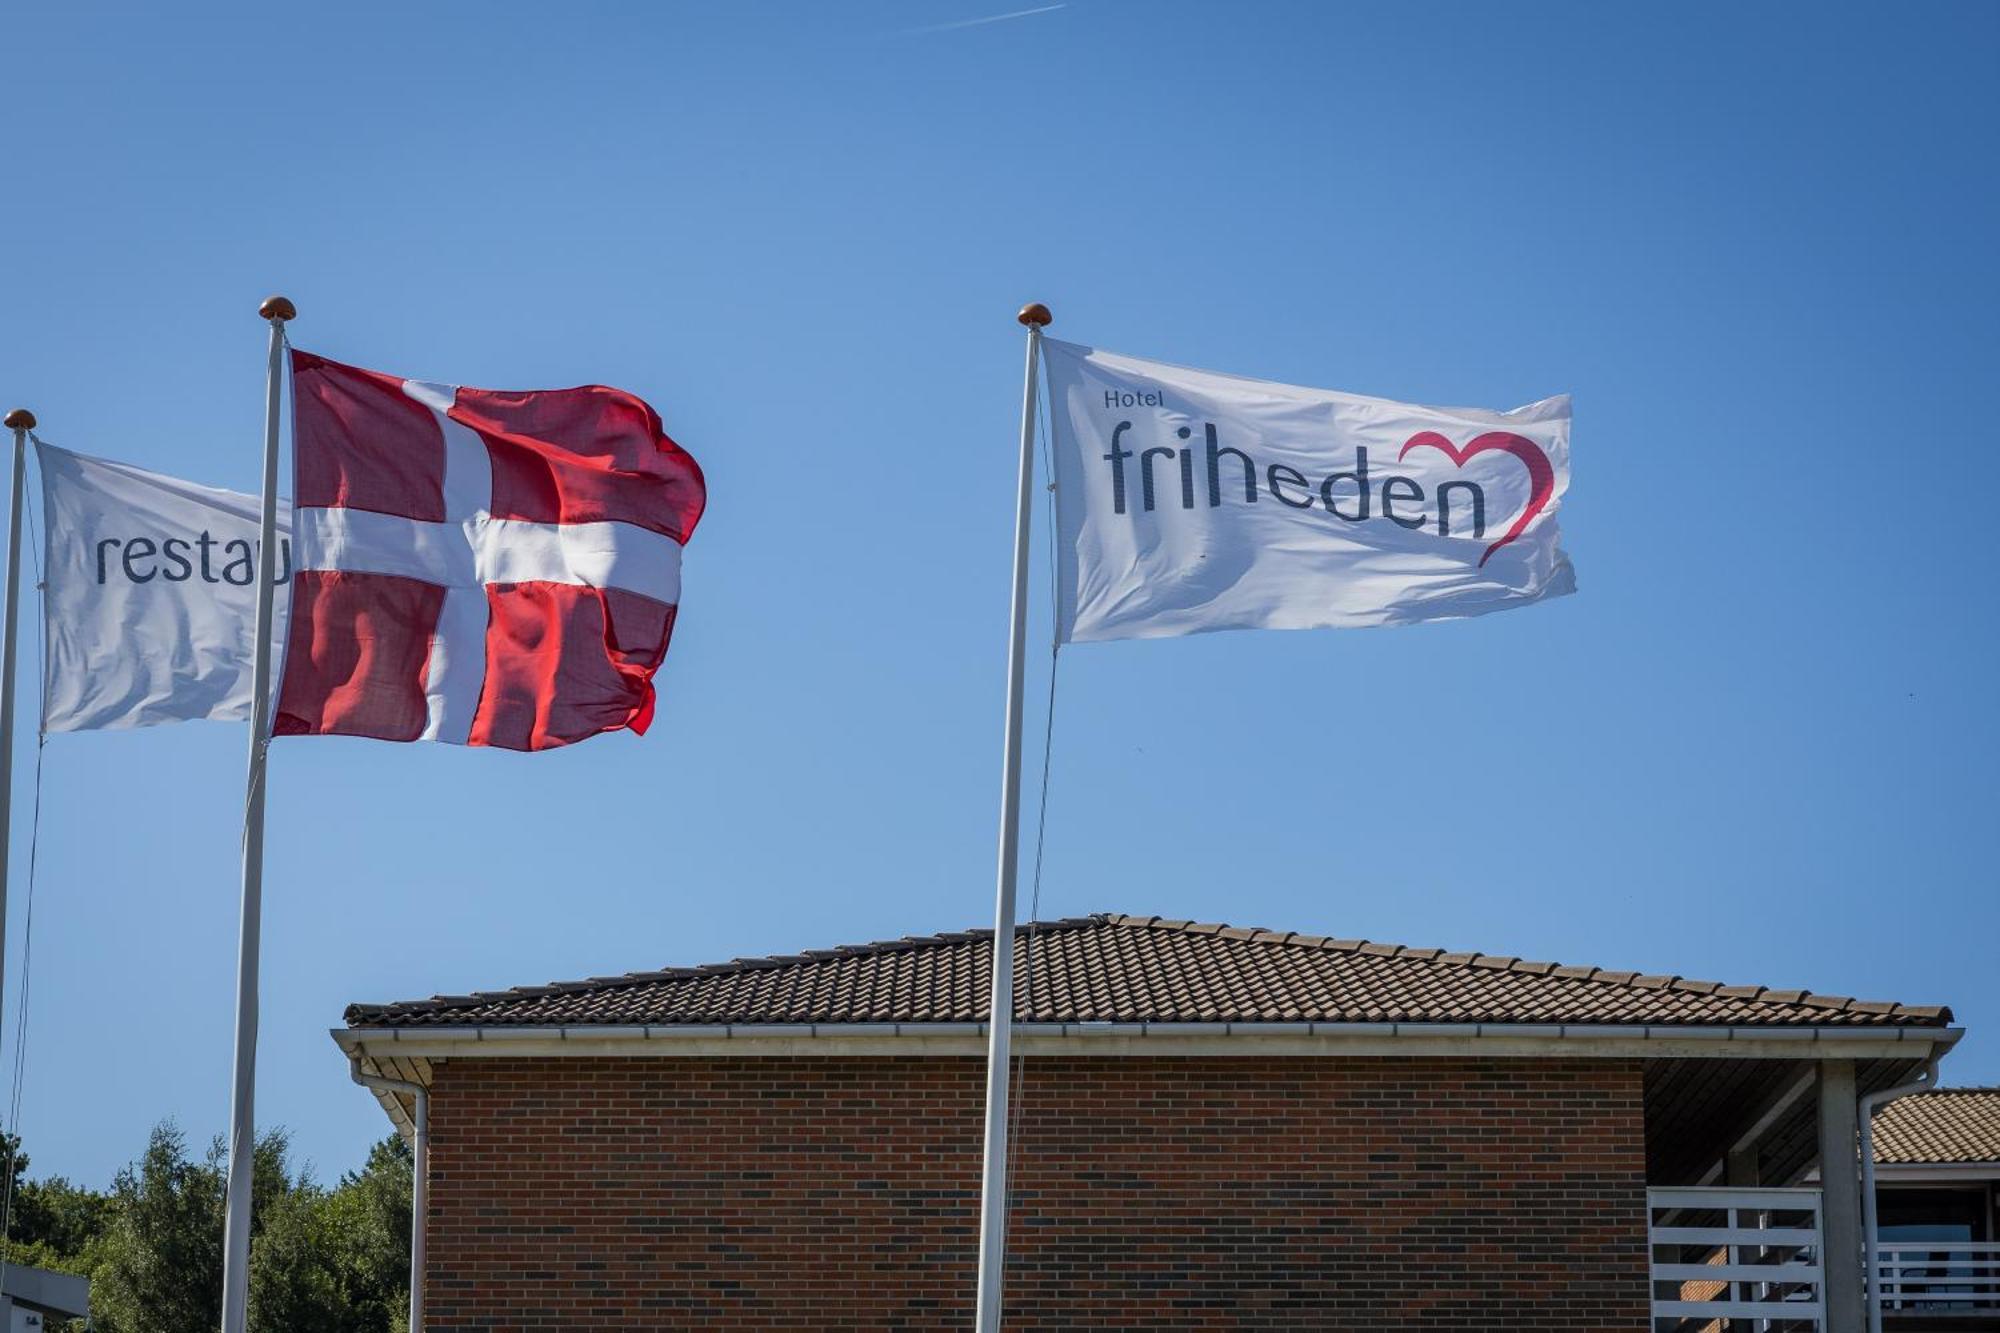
{"points": [[1000, 1016], [20, 421], [242, 1121]]}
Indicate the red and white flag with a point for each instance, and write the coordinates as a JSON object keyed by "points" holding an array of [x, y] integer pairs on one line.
{"points": [[477, 566]]}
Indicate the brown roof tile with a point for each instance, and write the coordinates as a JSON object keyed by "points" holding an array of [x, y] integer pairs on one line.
{"points": [[1110, 968], [1939, 1128]]}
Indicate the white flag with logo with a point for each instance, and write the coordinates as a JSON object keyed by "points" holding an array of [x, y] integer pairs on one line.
{"points": [[1189, 501], [150, 604]]}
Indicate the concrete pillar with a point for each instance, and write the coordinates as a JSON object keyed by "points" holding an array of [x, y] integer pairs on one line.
{"points": [[1840, 1204], [1739, 1171]]}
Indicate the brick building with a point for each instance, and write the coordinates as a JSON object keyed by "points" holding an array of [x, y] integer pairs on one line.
{"points": [[1217, 1128]]}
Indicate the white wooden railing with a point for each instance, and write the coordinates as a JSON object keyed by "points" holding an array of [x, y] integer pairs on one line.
{"points": [[1959, 1276], [1750, 1256]]}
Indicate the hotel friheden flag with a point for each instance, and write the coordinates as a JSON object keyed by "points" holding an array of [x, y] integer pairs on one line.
{"points": [[475, 566], [1189, 501]]}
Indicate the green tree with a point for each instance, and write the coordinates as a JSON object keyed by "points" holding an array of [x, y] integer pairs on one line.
{"points": [[371, 1208], [159, 1267], [294, 1281], [13, 1162], [51, 1217], [50, 1223], [58, 1225], [338, 1260], [321, 1261]]}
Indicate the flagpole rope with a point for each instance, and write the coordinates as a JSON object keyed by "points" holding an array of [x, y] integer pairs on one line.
{"points": [[1019, 1079], [27, 925]]}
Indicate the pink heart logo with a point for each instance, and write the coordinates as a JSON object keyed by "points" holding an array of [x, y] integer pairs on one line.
{"points": [[1541, 473]]}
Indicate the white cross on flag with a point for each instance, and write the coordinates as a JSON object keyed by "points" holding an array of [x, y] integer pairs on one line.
{"points": [[477, 566]]}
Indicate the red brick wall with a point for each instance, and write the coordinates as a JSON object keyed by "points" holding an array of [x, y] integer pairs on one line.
{"points": [[1353, 1194]]}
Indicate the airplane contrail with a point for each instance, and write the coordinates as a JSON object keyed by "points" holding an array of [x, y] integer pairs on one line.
{"points": [[990, 18]]}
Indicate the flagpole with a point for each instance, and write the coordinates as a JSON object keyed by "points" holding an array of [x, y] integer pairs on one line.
{"points": [[242, 1122], [20, 421], [1000, 1014]]}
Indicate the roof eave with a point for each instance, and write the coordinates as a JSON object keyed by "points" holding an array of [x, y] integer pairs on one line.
{"points": [[1914, 1172], [1520, 1040]]}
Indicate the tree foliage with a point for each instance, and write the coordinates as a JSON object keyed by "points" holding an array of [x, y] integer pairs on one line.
{"points": [[323, 1259]]}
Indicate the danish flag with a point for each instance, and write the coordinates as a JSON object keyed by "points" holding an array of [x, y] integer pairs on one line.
{"points": [[476, 566]]}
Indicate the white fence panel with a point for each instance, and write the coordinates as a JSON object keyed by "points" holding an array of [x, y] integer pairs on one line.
{"points": [[1939, 1276], [1749, 1256]]}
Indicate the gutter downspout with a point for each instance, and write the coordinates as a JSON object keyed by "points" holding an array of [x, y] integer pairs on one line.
{"points": [[1869, 1239], [420, 1176]]}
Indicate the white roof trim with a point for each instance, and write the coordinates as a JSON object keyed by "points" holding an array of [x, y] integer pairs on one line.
{"points": [[1906, 1172], [1562, 1041]]}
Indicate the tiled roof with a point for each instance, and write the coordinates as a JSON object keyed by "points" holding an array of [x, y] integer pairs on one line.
{"points": [[1126, 969], [1937, 1128]]}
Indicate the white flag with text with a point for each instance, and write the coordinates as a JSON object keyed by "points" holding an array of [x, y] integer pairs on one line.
{"points": [[1189, 501], [150, 599]]}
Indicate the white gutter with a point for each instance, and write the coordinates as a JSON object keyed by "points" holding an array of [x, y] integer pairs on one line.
{"points": [[420, 1174], [1578, 1040], [1870, 1238], [1936, 1173]]}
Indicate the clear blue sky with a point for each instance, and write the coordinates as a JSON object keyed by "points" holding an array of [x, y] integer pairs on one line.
{"points": [[1754, 241]]}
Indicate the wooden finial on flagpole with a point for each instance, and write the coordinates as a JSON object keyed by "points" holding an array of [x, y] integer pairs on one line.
{"points": [[279, 308], [1035, 315], [19, 419]]}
